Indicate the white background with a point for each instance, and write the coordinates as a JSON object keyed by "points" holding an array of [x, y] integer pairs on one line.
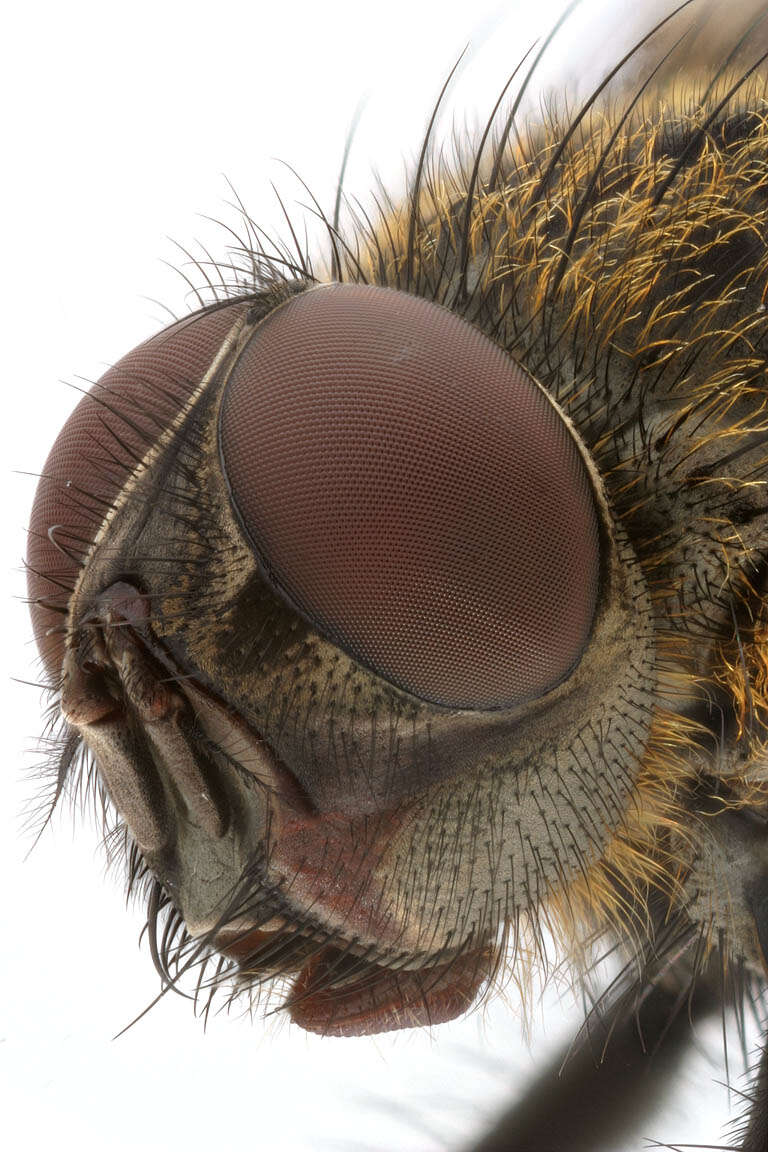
{"points": [[122, 122]]}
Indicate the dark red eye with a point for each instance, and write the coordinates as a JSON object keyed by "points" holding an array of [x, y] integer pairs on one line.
{"points": [[97, 449], [415, 494]]}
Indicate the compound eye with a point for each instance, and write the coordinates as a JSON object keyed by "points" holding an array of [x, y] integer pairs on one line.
{"points": [[414, 494], [111, 429]]}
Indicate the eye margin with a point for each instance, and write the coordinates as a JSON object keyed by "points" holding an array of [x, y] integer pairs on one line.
{"points": [[279, 575]]}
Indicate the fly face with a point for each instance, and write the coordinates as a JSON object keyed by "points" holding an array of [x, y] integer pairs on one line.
{"points": [[334, 639], [429, 601]]}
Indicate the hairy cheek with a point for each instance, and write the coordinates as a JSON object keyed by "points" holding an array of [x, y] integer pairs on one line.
{"points": [[332, 864]]}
